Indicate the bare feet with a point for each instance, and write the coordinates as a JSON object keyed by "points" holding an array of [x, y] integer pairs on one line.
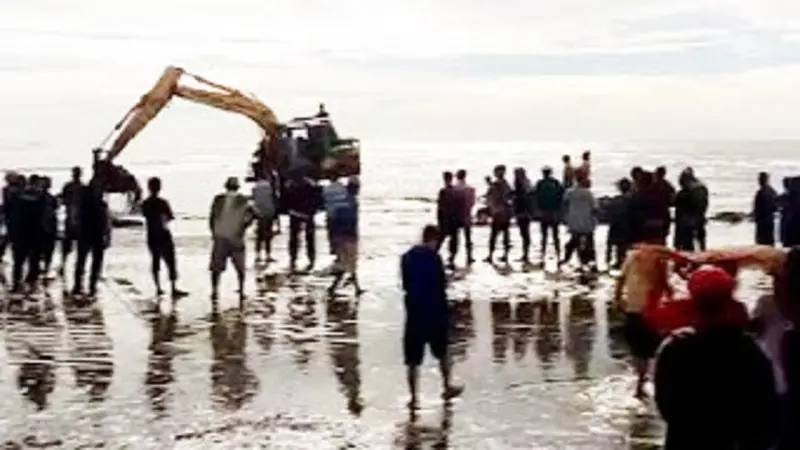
{"points": [[452, 392]]}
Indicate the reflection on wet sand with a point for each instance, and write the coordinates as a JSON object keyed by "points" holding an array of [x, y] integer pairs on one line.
{"points": [[547, 339], [261, 311], [90, 348], [31, 338], [232, 382], [301, 323], [418, 435], [342, 336], [523, 328], [501, 319], [580, 337], [462, 329], [160, 373]]}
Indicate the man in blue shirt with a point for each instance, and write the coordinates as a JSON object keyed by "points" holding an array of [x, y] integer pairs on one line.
{"points": [[427, 311]]}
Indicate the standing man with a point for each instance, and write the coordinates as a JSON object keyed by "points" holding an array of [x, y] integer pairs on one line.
{"points": [[14, 184], [344, 234], [266, 210], [499, 201], [465, 195], [94, 235], [230, 216], [447, 215], [523, 202], [549, 195], [569, 172], [303, 198], [157, 215], [427, 312], [70, 198], [334, 196], [49, 226], [585, 169], [27, 232], [765, 204]]}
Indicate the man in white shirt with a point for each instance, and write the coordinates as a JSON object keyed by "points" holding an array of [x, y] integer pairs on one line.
{"points": [[265, 210], [230, 216]]}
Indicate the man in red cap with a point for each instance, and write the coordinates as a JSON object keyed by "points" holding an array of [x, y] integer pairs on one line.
{"points": [[714, 385]]}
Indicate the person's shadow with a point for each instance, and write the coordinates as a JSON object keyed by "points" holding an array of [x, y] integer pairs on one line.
{"points": [[418, 436], [232, 383], [462, 329], [343, 344], [301, 321], [160, 373]]}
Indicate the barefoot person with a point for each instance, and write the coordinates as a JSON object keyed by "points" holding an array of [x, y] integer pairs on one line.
{"points": [[230, 216], [70, 198], [427, 312], [157, 214], [266, 211]]}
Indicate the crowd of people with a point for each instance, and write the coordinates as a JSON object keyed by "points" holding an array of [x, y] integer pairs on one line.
{"points": [[647, 207], [29, 212]]}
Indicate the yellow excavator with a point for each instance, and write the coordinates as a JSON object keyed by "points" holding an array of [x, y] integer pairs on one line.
{"points": [[317, 154]]}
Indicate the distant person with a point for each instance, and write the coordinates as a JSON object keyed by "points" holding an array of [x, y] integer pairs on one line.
{"points": [[49, 226], [581, 218], [688, 215], [157, 215], [523, 205], [27, 231], [647, 211], [585, 169], [789, 305], [636, 177], [447, 216], [700, 193], [465, 199], [322, 113], [13, 187], [568, 178], [665, 192], [714, 385], [765, 205], [70, 197], [427, 312], [498, 199], [618, 239], [785, 209], [303, 198], [790, 213], [266, 211], [94, 236], [344, 234], [549, 195], [230, 216]]}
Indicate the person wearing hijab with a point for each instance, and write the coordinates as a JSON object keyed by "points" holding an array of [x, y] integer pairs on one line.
{"points": [[714, 386]]}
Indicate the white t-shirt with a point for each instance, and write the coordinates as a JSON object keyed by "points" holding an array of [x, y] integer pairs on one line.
{"points": [[263, 199], [232, 218], [334, 194]]}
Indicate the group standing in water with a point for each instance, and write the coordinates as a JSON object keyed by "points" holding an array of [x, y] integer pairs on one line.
{"points": [[30, 219]]}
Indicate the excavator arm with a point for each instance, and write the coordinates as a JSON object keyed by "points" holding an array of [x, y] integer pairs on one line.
{"points": [[215, 95]]}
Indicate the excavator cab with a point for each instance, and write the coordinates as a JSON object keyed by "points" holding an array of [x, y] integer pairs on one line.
{"points": [[315, 141]]}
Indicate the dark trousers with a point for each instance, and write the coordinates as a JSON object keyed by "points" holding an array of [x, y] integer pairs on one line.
{"points": [[264, 235], [450, 234], [163, 249], [97, 249], [48, 248], [617, 245], [583, 243], [765, 231], [467, 229], [26, 250], [684, 237], [524, 225], [69, 239], [296, 226], [499, 227], [548, 224], [700, 235]]}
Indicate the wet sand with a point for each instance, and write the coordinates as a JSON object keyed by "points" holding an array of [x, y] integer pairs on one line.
{"points": [[541, 364]]}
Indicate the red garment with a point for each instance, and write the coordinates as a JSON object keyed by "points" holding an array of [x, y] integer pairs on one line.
{"points": [[680, 313]]}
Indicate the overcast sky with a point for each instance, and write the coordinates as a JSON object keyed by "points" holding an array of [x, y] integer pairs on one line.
{"points": [[432, 69]]}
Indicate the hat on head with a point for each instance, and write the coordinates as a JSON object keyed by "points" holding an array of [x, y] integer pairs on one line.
{"points": [[232, 183], [711, 283]]}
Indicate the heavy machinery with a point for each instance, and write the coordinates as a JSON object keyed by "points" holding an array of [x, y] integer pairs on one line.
{"points": [[319, 155]]}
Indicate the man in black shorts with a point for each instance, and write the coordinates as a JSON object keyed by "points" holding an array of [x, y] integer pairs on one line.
{"points": [[427, 312], [157, 214]]}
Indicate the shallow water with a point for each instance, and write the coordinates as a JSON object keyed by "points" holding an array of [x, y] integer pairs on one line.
{"points": [[542, 366]]}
